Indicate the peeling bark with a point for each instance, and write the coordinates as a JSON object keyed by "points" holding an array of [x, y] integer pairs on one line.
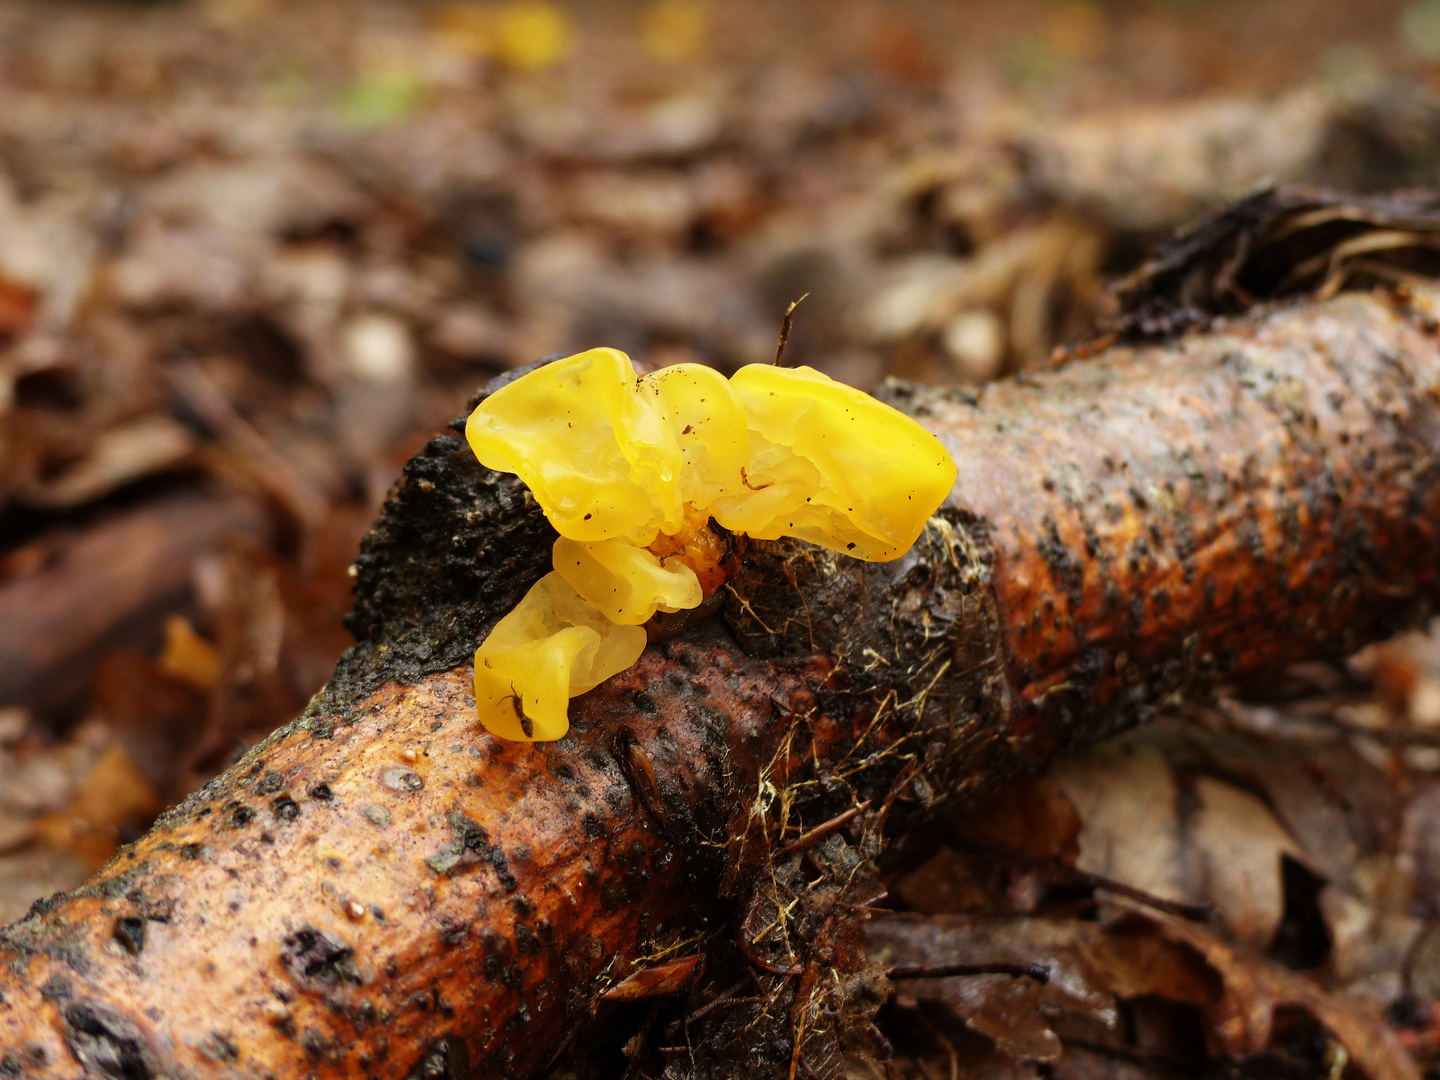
{"points": [[383, 889]]}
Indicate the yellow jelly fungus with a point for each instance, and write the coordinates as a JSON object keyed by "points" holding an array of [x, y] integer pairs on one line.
{"points": [[554, 646], [630, 471], [627, 583], [711, 431], [877, 474], [598, 456]]}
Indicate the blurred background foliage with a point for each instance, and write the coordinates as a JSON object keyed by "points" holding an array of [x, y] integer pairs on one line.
{"points": [[253, 254]]}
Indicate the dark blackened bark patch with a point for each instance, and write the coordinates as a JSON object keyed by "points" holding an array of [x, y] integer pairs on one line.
{"points": [[917, 645], [108, 1043], [470, 847], [319, 958], [457, 547], [502, 870], [453, 933], [446, 1059], [130, 933], [269, 783], [216, 1047]]}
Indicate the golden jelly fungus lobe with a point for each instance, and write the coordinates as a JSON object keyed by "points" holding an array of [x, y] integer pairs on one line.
{"points": [[877, 474], [553, 646], [627, 583], [598, 456], [631, 471], [710, 429]]}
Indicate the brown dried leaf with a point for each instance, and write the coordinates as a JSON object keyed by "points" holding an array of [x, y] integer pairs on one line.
{"points": [[155, 716], [1093, 968], [1128, 804], [1243, 1018], [116, 794], [951, 882], [1226, 850], [1236, 846], [38, 780], [17, 309], [189, 657], [1004, 1009], [33, 872], [149, 444]]}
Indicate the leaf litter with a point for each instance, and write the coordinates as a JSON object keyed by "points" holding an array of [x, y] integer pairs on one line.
{"points": [[250, 256]]}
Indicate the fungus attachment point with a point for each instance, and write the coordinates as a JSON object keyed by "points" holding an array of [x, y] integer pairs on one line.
{"points": [[654, 483]]}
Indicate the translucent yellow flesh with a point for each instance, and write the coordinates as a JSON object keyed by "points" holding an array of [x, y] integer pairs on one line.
{"points": [[614, 460], [627, 583], [880, 475], [599, 457], [710, 430], [553, 646]]}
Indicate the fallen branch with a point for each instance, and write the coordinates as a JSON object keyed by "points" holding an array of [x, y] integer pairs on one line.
{"points": [[383, 889]]}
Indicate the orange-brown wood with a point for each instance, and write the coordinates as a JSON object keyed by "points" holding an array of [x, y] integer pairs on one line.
{"points": [[383, 889]]}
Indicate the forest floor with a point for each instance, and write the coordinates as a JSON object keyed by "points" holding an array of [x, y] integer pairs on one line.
{"points": [[252, 255]]}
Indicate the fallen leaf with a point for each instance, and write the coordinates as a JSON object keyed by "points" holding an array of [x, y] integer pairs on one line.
{"points": [[381, 98], [1004, 1009], [189, 657], [115, 794], [950, 882], [1076, 30], [17, 309], [675, 30], [1031, 817], [466, 28], [1254, 988], [1235, 847], [1225, 850], [118, 456], [34, 872], [154, 715], [1093, 969], [1128, 803]]}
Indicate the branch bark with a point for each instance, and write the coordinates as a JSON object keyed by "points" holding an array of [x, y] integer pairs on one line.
{"points": [[383, 889]]}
